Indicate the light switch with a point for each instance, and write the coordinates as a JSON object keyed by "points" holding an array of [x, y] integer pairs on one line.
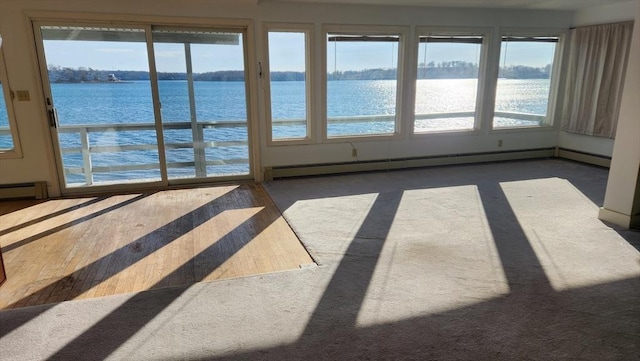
{"points": [[23, 95]]}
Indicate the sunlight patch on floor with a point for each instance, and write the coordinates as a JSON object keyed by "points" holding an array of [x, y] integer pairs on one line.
{"points": [[334, 218], [441, 238], [574, 250]]}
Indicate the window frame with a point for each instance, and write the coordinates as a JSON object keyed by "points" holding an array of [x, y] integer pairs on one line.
{"points": [[483, 66], [308, 31], [16, 151], [554, 80], [403, 35]]}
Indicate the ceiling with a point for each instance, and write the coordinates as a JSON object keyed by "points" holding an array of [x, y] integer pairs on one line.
{"points": [[509, 4]]}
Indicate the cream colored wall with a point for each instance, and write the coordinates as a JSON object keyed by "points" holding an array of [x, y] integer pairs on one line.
{"points": [[38, 160], [622, 186], [606, 14]]}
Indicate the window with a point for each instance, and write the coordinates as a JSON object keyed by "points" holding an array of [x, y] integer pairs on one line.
{"points": [[447, 82], [288, 84], [524, 81], [9, 146], [362, 84]]}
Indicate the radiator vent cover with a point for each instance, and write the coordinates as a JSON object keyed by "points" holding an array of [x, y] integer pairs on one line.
{"points": [[34, 190]]}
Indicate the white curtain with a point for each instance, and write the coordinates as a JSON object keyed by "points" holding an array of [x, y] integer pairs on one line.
{"points": [[595, 77]]}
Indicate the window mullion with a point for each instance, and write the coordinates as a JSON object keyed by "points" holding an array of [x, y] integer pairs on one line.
{"points": [[155, 94]]}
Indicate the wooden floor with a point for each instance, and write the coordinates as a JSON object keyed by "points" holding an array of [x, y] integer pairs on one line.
{"points": [[68, 249]]}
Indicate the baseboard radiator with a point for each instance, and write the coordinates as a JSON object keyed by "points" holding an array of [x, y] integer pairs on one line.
{"points": [[271, 173], [584, 157], [35, 190]]}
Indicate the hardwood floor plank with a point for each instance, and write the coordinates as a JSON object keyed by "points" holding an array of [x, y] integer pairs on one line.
{"points": [[66, 249]]}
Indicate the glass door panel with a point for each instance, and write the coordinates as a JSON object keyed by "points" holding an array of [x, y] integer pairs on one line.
{"points": [[101, 92], [201, 81]]}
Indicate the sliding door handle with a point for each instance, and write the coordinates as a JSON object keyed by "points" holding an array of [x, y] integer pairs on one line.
{"points": [[53, 117]]}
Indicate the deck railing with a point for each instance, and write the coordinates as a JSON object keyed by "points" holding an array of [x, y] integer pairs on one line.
{"points": [[199, 146]]}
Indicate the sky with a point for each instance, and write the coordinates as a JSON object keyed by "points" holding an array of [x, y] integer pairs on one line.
{"points": [[286, 54]]}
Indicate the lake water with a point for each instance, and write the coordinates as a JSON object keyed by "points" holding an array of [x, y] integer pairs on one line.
{"points": [[131, 103]]}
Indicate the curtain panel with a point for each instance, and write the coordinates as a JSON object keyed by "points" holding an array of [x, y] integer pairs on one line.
{"points": [[595, 78]]}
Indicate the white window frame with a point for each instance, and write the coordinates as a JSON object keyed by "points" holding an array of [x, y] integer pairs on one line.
{"points": [[552, 100], [308, 30], [16, 151], [483, 64], [403, 34]]}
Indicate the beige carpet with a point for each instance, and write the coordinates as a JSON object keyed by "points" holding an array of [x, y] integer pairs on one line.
{"points": [[504, 261]]}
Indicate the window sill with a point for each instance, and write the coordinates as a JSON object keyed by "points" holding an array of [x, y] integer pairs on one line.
{"points": [[290, 141], [364, 137], [524, 129], [449, 132]]}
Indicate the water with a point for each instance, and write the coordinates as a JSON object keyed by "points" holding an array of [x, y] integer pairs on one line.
{"points": [[361, 98], [6, 142], [131, 103]]}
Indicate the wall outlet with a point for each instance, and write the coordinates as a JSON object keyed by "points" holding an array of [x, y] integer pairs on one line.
{"points": [[354, 152]]}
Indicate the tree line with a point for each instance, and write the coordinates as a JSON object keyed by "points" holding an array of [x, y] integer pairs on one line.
{"points": [[444, 70], [59, 74], [431, 70]]}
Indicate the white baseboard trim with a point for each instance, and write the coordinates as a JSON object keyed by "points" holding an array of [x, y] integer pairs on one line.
{"points": [[380, 165], [617, 218]]}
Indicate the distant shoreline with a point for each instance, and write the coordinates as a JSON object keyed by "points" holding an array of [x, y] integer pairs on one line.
{"points": [[284, 81], [454, 70]]}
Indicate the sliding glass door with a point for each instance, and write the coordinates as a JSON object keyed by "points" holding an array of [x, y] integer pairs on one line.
{"points": [[201, 81], [145, 104], [100, 104]]}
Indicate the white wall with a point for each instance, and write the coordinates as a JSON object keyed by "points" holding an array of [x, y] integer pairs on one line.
{"points": [[37, 163], [623, 184], [606, 14], [592, 16], [586, 143]]}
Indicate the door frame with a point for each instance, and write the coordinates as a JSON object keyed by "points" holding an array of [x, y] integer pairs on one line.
{"points": [[243, 26]]}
